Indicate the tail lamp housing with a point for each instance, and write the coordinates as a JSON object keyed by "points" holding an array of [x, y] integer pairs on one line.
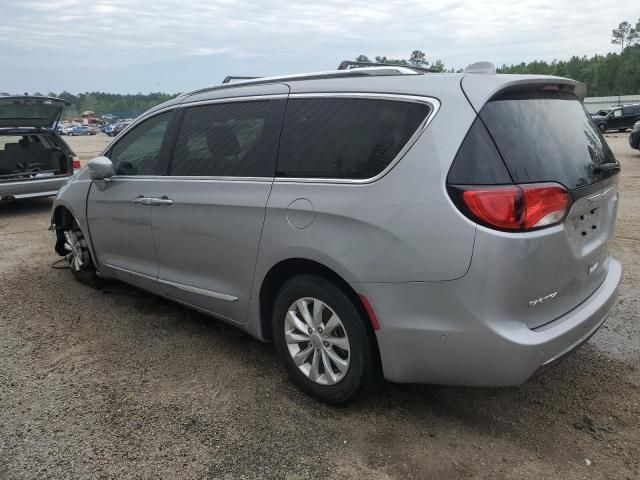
{"points": [[513, 208]]}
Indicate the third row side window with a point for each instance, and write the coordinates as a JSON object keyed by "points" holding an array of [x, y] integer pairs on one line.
{"points": [[351, 138]]}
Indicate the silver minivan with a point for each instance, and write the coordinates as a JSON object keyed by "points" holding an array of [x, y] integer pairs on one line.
{"points": [[378, 222]]}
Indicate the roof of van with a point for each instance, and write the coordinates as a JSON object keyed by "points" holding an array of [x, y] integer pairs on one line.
{"points": [[478, 87]]}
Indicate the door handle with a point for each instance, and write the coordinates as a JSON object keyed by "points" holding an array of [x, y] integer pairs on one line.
{"points": [[160, 201], [153, 200], [142, 200]]}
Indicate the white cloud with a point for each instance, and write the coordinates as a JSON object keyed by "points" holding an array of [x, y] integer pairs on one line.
{"points": [[149, 43]]}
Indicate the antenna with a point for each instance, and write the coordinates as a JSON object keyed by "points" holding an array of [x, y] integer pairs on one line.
{"points": [[486, 68]]}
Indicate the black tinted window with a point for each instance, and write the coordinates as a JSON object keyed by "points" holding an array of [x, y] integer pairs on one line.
{"points": [[628, 111], [478, 161], [138, 152], [231, 139], [547, 139], [344, 137]]}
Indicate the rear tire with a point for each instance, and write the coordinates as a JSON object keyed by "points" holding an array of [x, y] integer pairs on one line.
{"points": [[333, 346]]}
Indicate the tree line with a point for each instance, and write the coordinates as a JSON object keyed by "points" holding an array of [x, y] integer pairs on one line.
{"points": [[604, 75], [123, 106]]}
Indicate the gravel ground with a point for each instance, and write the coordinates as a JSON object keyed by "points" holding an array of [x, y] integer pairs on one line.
{"points": [[88, 147], [120, 383]]}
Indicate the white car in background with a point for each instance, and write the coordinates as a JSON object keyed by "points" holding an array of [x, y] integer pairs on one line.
{"points": [[66, 130]]}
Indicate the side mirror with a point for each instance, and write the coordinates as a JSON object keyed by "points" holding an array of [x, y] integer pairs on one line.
{"points": [[100, 168]]}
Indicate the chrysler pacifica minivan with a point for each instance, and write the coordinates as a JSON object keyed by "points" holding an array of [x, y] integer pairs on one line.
{"points": [[378, 222]]}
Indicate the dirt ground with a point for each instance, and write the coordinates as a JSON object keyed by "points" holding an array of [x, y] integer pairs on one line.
{"points": [[88, 147], [121, 384]]}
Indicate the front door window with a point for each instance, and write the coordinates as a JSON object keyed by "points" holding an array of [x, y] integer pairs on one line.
{"points": [[138, 152]]}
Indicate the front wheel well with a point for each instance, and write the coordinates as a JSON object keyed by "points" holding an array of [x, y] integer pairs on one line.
{"points": [[287, 269], [62, 220], [62, 217]]}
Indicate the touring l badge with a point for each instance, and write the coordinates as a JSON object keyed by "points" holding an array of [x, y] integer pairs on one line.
{"points": [[538, 301]]}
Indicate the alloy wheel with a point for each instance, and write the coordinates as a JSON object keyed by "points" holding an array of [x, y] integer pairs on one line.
{"points": [[317, 341], [74, 243]]}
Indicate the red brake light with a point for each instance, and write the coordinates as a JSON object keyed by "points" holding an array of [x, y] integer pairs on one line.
{"points": [[499, 207], [545, 205], [516, 207], [76, 163]]}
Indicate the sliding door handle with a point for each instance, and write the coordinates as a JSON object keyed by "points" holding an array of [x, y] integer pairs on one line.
{"points": [[161, 201], [142, 200]]}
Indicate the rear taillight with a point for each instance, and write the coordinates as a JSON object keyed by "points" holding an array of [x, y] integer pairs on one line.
{"points": [[513, 207], [544, 205], [76, 163]]}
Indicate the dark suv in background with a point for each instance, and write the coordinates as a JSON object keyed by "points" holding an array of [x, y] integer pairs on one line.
{"points": [[619, 118], [634, 138]]}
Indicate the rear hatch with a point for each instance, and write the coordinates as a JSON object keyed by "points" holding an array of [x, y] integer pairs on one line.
{"points": [[547, 178], [30, 112]]}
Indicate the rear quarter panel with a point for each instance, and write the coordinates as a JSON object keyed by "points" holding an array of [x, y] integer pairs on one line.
{"points": [[399, 228]]}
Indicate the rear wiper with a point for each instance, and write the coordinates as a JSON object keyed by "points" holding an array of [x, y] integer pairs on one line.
{"points": [[607, 167]]}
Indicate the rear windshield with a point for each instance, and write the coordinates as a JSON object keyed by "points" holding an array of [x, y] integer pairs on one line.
{"points": [[547, 138]]}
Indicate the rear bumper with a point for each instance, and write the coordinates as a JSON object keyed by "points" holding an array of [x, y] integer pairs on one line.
{"points": [[427, 337], [31, 188]]}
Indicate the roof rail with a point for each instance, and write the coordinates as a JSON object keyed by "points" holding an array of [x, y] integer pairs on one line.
{"points": [[350, 64], [230, 78], [486, 68], [379, 69]]}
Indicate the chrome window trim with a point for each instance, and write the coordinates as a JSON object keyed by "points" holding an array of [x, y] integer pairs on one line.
{"points": [[248, 98], [432, 102], [133, 177], [167, 178]]}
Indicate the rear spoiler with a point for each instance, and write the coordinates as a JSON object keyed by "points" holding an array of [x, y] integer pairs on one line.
{"points": [[479, 89]]}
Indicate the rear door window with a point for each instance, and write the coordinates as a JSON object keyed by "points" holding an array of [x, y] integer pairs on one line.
{"points": [[229, 140], [345, 138], [547, 138]]}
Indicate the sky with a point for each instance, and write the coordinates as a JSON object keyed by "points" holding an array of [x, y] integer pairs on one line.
{"points": [[130, 46]]}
